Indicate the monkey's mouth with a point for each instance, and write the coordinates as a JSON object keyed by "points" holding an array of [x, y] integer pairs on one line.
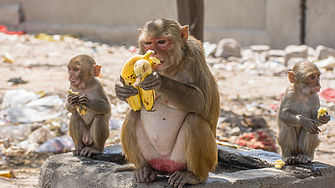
{"points": [[159, 67], [73, 82]]}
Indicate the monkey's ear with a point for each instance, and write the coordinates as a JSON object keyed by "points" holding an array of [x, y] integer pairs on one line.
{"points": [[97, 69], [291, 77], [184, 32], [139, 30]]}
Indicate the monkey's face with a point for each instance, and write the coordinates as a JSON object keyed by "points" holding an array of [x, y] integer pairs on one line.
{"points": [[162, 50], [74, 74], [314, 82]]}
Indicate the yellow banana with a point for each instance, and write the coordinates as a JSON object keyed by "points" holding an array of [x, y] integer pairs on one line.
{"points": [[81, 109], [142, 68], [322, 112], [129, 77]]}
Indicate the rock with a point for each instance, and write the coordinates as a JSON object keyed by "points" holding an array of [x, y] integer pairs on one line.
{"points": [[328, 63], [276, 53], [67, 170], [236, 131], [228, 47], [295, 51], [260, 48], [323, 52], [292, 61]]}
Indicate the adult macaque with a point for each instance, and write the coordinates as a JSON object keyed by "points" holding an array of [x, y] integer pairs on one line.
{"points": [[177, 137], [297, 117], [89, 105]]}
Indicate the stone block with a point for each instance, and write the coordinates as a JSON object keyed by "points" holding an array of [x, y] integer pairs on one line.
{"points": [[67, 170]]}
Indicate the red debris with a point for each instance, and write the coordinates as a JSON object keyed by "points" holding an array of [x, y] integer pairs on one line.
{"points": [[4, 29], [257, 140]]}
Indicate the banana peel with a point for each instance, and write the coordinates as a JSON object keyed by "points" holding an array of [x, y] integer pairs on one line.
{"points": [[81, 109], [142, 69], [129, 77]]}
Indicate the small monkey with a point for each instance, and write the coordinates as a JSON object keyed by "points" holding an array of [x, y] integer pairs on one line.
{"points": [[297, 117], [177, 137], [89, 130]]}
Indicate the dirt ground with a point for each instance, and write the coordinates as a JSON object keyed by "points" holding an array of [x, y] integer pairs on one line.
{"points": [[43, 64]]}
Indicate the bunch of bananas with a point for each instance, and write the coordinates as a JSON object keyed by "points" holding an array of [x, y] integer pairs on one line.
{"points": [[81, 109], [133, 72], [322, 112]]}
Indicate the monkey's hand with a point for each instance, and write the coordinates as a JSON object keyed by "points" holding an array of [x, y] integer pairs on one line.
{"points": [[124, 91], [83, 99], [310, 125], [152, 82], [72, 99], [324, 119]]}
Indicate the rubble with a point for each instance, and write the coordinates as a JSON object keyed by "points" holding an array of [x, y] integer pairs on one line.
{"points": [[251, 79]]}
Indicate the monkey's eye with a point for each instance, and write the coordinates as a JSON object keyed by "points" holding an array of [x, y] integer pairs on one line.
{"points": [[312, 77], [147, 43], [76, 69], [161, 42]]}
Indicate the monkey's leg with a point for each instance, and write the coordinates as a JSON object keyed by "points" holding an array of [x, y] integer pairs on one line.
{"points": [[288, 141], [201, 152], [308, 144], [76, 126], [129, 142], [99, 133]]}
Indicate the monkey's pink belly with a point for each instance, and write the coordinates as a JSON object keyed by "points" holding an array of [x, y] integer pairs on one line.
{"points": [[166, 166], [161, 137]]}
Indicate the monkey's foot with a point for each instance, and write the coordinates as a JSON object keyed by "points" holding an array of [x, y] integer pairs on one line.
{"points": [[88, 151], [291, 161], [303, 159], [180, 178], [144, 174], [77, 150]]}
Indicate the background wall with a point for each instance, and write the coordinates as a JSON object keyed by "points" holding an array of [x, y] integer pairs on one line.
{"points": [[276, 23]]}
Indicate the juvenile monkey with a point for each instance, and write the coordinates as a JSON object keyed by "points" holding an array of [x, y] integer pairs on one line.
{"points": [[177, 137], [89, 105], [297, 117]]}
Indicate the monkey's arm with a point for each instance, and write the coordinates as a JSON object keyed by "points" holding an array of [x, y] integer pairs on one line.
{"points": [[99, 104], [296, 120], [184, 96]]}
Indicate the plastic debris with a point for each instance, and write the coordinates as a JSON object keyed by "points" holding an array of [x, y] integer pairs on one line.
{"points": [[56, 145], [16, 81], [6, 174], [7, 57]]}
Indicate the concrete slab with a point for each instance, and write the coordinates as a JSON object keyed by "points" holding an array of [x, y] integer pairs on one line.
{"points": [[67, 170]]}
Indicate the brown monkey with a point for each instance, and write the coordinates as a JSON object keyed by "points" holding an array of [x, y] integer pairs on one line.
{"points": [[177, 137], [297, 117], [90, 130]]}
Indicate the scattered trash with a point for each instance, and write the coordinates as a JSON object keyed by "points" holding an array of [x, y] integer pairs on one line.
{"points": [[19, 132], [7, 57], [6, 174], [257, 140], [56, 145], [16, 81], [4, 29], [45, 108], [328, 94], [209, 48]]}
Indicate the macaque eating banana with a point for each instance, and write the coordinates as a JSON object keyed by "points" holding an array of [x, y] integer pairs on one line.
{"points": [[133, 72], [82, 110]]}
